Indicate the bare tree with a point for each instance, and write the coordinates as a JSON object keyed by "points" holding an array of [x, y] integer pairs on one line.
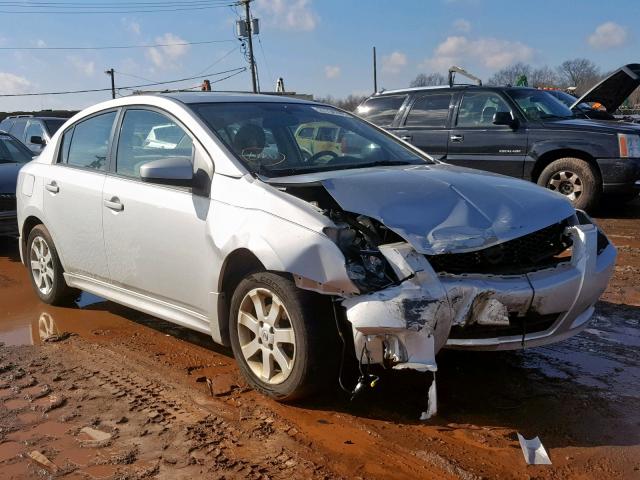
{"points": [[348, 103], [543, 77], [509, 75], [430, 80], [581, 73]]}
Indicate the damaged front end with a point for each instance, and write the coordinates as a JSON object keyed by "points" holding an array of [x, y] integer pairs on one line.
{"points": [[438, 264]]}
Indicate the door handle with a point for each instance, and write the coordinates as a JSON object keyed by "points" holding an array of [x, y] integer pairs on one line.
{"points": [[456, 138], [406, 138], [114, 204], [52, 187]]}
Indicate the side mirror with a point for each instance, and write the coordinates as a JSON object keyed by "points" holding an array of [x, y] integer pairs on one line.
{"points": [[37, 140], [177, 171], [504, 118]]}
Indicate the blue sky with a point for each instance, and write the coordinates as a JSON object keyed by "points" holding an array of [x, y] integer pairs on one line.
{"points": [[319, 46]]}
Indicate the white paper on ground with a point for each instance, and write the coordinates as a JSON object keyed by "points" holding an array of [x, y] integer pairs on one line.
{"points": [[533, 451]]}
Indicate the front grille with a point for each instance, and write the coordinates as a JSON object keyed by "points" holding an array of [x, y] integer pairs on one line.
{"points": [[517, 326], [7, 202], [524, 254]]}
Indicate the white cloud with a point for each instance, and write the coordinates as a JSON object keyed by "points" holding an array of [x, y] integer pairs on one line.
{"points": [[332, 71], [462, 25], [84, 67], [488, 52], [394, 63], [131, 26], [10, 83], [167, 56], [288, 14], [608, 35], [41, 43]]}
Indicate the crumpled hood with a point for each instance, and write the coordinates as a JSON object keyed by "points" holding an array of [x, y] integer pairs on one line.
{"points": [[9, 176], [441, 208]]}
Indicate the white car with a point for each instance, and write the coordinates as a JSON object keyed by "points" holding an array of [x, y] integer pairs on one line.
{"points": [[281, 255]]}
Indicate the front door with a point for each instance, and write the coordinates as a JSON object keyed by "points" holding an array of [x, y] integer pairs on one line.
{"points": [[475, 142], [156, 235], [73, 196]]}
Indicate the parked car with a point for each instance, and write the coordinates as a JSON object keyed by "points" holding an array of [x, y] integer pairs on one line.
{"points": [[13, 155], [34, 132], [603, 100], [517, 131], [278, 254]]}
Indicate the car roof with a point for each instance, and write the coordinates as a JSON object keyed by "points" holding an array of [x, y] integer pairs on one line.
{"points": [[231, 97], [447, 87]]}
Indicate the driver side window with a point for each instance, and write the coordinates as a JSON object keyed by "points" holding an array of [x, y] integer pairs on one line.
{"points": [[478, 108], [146, 136]]}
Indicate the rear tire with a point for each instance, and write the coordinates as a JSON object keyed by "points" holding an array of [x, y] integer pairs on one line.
{"points": [[574, 178], [45, 269], [287, 353]]}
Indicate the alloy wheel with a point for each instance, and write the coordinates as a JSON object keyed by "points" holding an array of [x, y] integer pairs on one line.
{"points": [[41, 265], [266, 336], [567, 183]]}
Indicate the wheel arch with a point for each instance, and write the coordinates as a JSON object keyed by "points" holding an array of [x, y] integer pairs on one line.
{"points": [[29, 223], [548, 157], [237, 265]]}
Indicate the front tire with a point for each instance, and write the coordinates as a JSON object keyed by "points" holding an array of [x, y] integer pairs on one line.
{"points": [[574, 178], [45, 269], [282, 337]]}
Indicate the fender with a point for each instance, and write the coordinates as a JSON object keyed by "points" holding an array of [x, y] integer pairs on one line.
{"points": [[540, 148]]}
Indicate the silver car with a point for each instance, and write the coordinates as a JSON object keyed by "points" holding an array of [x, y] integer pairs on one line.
{"points": [[229, 229]]}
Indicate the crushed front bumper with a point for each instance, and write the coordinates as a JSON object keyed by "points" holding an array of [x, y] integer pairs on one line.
{"points": [[405, 325]]}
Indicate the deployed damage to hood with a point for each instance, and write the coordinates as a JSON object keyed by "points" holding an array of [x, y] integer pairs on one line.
{"points": [[440, 208], [614, 89]]}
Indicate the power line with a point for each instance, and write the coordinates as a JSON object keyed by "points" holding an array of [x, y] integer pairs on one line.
{"points": [[235, 71], [120, 47], [140, 9]]}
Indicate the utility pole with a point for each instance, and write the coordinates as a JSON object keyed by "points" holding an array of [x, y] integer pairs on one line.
{"points": [[111, 72], [252, 60], [375, 72]]}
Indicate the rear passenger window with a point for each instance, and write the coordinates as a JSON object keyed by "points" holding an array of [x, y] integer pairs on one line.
{"points": [[381, 110], [146, 136], [17, 130], [87, 144], [430, 111]]}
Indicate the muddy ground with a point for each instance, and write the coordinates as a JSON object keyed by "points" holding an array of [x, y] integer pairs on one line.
{"points": [[164, 402]]}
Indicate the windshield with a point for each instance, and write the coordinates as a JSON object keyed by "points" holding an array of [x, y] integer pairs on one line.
{"points": [[539, 105], [53, 124], [277, 139], [568, 99], [12, 151]]}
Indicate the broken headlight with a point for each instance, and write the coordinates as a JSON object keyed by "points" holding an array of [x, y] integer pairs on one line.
{"points": [[358, 239]]}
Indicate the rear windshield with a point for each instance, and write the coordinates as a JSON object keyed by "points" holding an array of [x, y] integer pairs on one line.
{"points": [[53, 124]]}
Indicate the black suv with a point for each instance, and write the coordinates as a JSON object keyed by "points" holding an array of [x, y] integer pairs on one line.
{"points": [[517, 131], [34, 132]]}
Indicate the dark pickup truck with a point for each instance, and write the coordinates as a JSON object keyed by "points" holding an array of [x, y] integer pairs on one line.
{"points": [[517, 131]]}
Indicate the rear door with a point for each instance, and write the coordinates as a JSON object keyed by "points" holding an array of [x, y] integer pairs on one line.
{"points": [[426, 122], [73, 195], [475, 142]]}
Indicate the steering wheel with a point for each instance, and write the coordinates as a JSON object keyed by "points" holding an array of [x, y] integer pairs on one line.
{"points": [[321, 154]]}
